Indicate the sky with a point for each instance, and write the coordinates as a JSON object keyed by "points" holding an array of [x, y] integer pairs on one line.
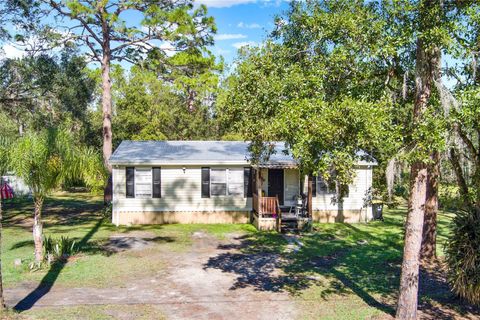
{"points": [[241, 22]]}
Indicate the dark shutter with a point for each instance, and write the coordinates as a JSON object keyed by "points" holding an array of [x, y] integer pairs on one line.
{"points": [[247, 182], [156, 183], [130, 175], [205, 182], [314, 185]]}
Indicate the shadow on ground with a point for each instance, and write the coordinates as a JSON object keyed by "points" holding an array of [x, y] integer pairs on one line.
{"points": [[337, 259]]}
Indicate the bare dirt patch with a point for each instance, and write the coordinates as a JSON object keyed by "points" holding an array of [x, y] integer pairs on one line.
{"points": [[185, 289]]}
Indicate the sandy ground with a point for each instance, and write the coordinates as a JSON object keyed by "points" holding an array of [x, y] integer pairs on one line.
{"points": [[187, 289]]}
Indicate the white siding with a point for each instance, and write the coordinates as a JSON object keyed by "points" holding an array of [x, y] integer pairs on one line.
{"points": [[358, 192], [181, 191]]}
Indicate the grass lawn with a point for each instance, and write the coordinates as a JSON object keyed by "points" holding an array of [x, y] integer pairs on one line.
{"points": [[79, 217], [341, 271]]}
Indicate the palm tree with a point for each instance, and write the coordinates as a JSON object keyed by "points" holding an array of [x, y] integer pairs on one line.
{"points": [[44, 160]]}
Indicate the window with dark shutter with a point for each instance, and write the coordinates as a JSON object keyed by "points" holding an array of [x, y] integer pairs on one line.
{"points": [[247, 182], [130, 182], [205, 182], [314, 185], [156, 183]]}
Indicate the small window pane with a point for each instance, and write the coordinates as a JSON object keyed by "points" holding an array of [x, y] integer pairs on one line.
{"points": [[143, 183], [218, 182], [235, 181], [322, 186], [218, 175], [218, 189]]}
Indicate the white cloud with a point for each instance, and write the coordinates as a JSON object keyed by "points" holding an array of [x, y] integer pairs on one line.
{"points": [[238, 45], [231, 3], [229, 36], [249, 25], [223, 3], [12, 52], [220, 51]]}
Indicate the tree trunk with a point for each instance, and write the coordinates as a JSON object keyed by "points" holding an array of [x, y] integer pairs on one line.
{"points": [[106, 99], [429, 242], [38, 230], [408, 299], [426, 69], [461, 182], [2, 300], [191, 99]]}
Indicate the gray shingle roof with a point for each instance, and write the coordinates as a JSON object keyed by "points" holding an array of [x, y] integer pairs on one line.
{"points": [[190, 152], [194, 152]]}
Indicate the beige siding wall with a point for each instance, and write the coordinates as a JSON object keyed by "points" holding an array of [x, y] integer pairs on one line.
{"points": [[162, 217], [181, 191], [354, 203]]}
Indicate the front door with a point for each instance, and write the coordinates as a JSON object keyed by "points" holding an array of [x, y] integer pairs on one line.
{"points": [[275, 184]]}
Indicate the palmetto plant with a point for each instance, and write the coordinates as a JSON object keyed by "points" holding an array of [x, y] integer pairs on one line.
{"points": [[463, 256], [44, 160], [58, 249]]}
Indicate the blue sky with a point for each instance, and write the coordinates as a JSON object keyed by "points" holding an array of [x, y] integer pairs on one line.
{"points": [[241, 22]]}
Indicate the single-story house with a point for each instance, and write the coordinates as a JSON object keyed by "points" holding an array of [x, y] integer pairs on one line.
{"points": [[214, 182]]}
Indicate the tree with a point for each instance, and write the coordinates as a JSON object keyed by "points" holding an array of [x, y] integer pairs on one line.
{"points": [[46, 90], [148, 107], [44, 160], [4, 146], [334, 57], [309, 87], [100, 26]]}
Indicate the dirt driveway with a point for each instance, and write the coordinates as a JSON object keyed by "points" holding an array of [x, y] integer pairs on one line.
{"points": [[192, 286]]}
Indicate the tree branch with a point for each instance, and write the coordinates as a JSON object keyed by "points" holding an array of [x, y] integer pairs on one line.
{"points": [[56, 6]]}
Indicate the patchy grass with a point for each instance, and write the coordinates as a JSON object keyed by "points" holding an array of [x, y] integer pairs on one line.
{"points": [[340, 271], [78, 216], [141, 312]]}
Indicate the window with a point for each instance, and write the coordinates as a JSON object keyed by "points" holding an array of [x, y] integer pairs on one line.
{"points": [[322, 185], [247, 182], [218, 182], [143, 183], [325, 186], [345, 190], [225, 182], [205, 182], [235, 182], [130, 182], [157, 186]]}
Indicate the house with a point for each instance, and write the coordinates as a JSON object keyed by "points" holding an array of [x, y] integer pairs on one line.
{"points": [[20, 189], [214, 182]]}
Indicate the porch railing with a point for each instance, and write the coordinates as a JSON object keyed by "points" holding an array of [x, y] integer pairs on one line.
{"points": [[267, 207]]}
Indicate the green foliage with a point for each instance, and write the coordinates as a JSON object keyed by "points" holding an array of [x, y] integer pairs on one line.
{"points": [[272, 97], [178, 23], [58, 249], [463, 256], [148, 108], [46, 159], [45, 90]]}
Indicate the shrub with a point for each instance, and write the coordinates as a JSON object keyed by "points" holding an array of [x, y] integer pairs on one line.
{"points": [[463, 256], [107, 211], [58, 249]]}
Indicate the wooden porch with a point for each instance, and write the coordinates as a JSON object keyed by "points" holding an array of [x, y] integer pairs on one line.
{"points": [[268, 214]]}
